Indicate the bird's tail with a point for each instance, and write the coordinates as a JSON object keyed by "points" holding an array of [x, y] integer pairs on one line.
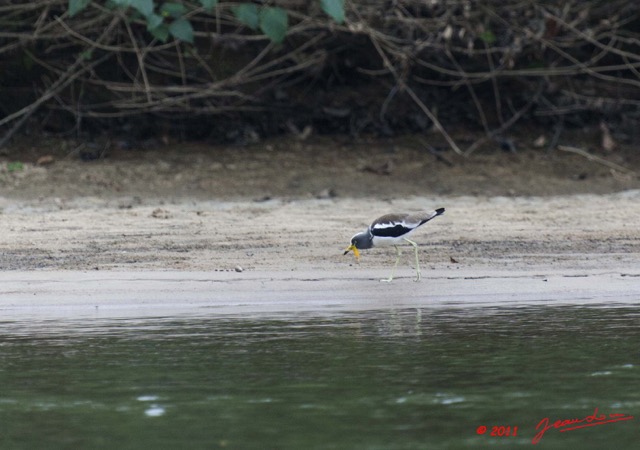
{"points": [[423, 217]]}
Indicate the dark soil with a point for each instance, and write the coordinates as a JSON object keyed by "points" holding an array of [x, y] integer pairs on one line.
{"points": [[317, 166]]}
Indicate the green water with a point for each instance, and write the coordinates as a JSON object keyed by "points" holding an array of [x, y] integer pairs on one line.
{"points": [[405, 379]]}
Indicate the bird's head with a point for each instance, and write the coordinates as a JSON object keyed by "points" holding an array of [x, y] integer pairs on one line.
{"points": [[358, 242]]}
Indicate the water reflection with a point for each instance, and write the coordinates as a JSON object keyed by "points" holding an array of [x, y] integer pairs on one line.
{"points": [[405, 379]]}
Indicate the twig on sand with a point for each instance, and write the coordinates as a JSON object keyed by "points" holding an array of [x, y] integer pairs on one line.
{"points": [[594, 158], [431, 149]]}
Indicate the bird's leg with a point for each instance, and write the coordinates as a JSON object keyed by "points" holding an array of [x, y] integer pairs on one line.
{"points": [[415, 248], [388, 280]]}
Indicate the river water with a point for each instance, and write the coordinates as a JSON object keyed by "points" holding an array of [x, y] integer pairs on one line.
{"points": [[387, 379]]}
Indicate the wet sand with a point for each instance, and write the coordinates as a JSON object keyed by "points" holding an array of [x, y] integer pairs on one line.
{"points": [[68, 295]]}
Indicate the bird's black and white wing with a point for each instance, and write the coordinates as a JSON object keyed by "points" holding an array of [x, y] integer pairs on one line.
{"points": [[393, 225], [396, 225]]}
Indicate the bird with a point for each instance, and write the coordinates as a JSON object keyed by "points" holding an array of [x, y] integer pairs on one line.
{"points": [[392, 229]]}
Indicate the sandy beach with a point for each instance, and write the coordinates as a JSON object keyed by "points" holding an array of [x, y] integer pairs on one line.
{"points": [[90, 257]]}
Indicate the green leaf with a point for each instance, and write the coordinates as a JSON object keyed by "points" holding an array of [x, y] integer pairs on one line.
{"points": [[334, 8], [247, 13], [87, 54], [124, 3], [144, 6], [208, 4], [15, 166], [537, 64], [182, 29], [27, 61], [154, 21], [274, 22], [75, 6], [175, 10], [488, 37], [160, 32]]}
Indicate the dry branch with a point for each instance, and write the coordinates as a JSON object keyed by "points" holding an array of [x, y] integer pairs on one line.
{"points": [[595, 158], [514, 60]]}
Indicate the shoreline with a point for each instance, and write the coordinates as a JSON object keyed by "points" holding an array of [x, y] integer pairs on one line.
{"points": [[33, 297]]}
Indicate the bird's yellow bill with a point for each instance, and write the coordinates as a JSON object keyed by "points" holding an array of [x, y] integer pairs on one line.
{"points": [[356, 252]]}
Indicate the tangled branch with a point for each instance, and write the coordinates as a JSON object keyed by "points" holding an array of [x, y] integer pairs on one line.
{"points": [[440, 63]]}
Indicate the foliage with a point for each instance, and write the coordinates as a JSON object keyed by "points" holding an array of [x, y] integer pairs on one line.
{"points": [[359, 66], [171, 19], [334, 8], [15, 166]]}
